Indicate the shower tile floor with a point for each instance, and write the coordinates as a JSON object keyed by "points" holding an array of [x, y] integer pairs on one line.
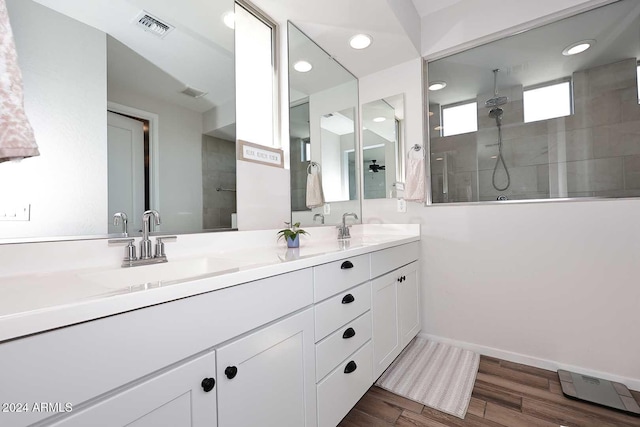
{"points": [[505, 394]]}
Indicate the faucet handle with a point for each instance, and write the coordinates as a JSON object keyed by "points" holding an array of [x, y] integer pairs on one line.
{"points": [[160, 245], [129, 250]]}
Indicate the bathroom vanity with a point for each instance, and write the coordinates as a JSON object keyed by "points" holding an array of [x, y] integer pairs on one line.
{"points": [[271, 338]]}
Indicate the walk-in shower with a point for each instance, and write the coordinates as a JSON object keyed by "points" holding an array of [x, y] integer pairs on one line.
{"points": [[496, 113]]}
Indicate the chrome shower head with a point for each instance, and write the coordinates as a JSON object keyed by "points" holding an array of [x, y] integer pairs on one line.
{"points": [[496, 113], [496, 101]]}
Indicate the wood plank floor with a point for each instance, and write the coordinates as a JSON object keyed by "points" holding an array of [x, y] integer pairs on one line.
{"points": [[505, 394]]}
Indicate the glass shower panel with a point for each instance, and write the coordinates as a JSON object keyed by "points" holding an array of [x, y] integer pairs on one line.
{"points": [[549, 125]]}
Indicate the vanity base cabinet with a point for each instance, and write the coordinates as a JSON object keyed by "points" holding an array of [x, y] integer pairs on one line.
{"points": [[396, 315], [177, 397], [267, 378]]}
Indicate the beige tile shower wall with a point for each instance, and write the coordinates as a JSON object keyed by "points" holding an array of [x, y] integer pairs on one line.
{"points": [[298, 177], [218, 171], [593, 153]]}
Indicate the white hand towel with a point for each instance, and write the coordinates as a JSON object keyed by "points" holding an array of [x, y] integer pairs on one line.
{"points": [[414, 188], [16, 135], [315, 195]]}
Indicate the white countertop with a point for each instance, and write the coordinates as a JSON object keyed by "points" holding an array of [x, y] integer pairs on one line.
{"points": [[33, 303]]}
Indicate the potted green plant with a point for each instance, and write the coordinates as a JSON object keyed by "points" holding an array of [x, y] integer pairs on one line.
{"points": [[291, 234]]}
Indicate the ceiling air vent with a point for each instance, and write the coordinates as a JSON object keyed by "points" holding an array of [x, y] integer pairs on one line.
{"points": [[150, 23], [194, 93]]}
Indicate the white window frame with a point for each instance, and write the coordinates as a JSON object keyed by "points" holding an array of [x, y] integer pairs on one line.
{"points": [[457, 104], [275, 64], [548, 84]]}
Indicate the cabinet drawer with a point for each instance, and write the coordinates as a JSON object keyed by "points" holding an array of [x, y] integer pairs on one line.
{"points": [[334, 277], [339, 391], [338, 311], [386, 260], [339, 345]]}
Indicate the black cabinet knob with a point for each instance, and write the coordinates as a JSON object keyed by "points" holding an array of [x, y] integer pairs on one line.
{"points": [[351, 366], [231, 372], [404, 278], [348, 299], [399, 279], [346, 265], [349, 333], [208, 384]]}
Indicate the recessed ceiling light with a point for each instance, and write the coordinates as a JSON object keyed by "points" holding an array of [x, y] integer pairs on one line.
{"points": [[379, 119], [437, 85], [578, 47], [494, 157], [229, 19], [437, 128], [430, 113], [439, 158], [302, 66], [360, 41]]}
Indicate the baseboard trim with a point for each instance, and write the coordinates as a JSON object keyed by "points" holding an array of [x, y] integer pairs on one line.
{"points": [[551, 365]]}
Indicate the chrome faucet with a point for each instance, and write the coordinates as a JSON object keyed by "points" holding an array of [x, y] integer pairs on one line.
{"points": [[343, 230], [145, 243], [121, 216], [146, 256], [319, 216]]}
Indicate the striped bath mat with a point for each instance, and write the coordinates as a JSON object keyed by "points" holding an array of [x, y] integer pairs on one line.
{"points": [[437, 375]]}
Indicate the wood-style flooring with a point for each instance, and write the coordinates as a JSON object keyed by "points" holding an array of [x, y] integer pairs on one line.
{"points": [[505, 394]]}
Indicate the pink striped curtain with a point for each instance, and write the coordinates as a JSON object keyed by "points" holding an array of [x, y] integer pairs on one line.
{"points": [[16, 135]]}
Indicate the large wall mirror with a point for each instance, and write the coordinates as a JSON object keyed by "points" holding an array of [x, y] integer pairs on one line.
{"points": [[323, 131], [133, 106], [382, 147], [550, 113]]}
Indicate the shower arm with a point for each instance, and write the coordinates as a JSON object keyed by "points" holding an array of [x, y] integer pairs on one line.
{"points": [[495, 82]]}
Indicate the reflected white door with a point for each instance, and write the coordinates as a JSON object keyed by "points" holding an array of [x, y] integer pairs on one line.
{"points": [[125, 138]]}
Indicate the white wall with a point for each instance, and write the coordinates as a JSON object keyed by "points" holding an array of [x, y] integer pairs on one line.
{"points": [[548, 284], [263, 196], [331, 164], [180, 169], [64, 69], [470, 20]]}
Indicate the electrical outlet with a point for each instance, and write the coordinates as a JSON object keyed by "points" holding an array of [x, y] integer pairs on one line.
{"points": [[15, 213], [326, 209], [402, 205]]}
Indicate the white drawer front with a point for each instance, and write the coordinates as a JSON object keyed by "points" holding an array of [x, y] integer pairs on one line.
{"points": [[338, 311], [334, 277], [339, 392], [339, 345], [386, 260]]}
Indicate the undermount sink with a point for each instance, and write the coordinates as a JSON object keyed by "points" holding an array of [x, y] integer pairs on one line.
{"points": [[166, 272]]}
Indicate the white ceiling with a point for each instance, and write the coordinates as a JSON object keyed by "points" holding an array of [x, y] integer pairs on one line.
{"points": [[427, 7], [331, 23], [198, 53]]}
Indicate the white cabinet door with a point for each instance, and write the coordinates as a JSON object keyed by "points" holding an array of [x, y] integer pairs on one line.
{"points": [[181, 397], [396, 314], [409, 303], [386, 334], [267, 378]]}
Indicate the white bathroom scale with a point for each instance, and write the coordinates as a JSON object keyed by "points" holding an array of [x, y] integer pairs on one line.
{"points": [[609, 394]]}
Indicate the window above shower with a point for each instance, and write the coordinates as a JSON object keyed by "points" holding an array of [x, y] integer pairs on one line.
{"points": [[550, 113]]}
